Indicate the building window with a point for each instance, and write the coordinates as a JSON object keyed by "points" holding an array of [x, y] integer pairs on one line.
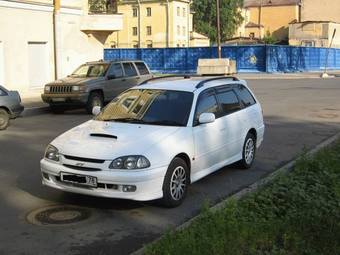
{"points": [[148, 11], [149, 44], [134, 12], [148, 30], [252, 35], [183, 31], [178, 30], [184, 12], [178, 11], [134, 31]]}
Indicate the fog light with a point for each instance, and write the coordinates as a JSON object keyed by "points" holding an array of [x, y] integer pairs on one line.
{"points": [[46, 176], [129, 188]]}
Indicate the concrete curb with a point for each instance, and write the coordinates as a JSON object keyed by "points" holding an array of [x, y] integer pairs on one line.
{"points": [[251, 188]]}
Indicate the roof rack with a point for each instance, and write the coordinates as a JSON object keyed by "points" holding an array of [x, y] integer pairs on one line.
{"points": [[188, 76], [184, 76], [202, 83]]}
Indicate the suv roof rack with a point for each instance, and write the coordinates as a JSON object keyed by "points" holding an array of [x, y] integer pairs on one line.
{"points": [[188, 76]]}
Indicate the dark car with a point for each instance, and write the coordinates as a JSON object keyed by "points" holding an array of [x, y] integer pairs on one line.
{"points": [[10, 106], [95, 83]]}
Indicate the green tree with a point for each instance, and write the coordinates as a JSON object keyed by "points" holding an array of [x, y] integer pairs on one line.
{"points": [[269, 38], [205, 18]]}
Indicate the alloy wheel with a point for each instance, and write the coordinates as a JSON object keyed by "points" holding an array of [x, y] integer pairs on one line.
{"points": [[178, 183]]}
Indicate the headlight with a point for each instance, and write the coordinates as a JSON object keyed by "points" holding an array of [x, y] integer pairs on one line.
{"points": [[52, 153], [130, 162], [75, 88], [47, 88]]}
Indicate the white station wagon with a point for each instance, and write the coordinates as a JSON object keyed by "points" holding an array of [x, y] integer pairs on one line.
{"points": [[155, 139]]}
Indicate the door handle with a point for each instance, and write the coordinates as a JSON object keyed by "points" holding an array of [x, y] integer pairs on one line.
{"points": [[223, 129], [123, 79], [137, 78]]}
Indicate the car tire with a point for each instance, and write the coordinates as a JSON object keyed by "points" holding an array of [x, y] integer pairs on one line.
{"points": [[95, 99], [4, 119], [57, 109], [248, 152], [175, 184]]}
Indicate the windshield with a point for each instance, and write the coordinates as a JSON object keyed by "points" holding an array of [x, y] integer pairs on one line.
{"points": [[91, 70], [154, 107]]}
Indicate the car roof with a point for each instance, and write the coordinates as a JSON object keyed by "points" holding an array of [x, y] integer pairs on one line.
{"points": [[191, 84], [113, 61]]}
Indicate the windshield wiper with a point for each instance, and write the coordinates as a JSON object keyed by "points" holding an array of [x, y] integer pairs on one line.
{"points": [[164, 123], [127, 120]]}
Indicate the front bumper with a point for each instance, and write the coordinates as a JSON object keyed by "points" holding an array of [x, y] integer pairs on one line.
{"points": [[65, 99], [148, 183]]}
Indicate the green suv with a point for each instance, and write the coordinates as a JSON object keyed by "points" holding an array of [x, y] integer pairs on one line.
{"points": [[94, 84]]}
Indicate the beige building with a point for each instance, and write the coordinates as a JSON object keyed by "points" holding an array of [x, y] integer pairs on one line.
{"points": [[37, 46], [322, 10], [314, 34], [156, 24], [274, 16]]}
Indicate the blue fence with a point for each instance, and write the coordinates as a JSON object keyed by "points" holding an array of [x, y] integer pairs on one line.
{"points": [[258, 58]]}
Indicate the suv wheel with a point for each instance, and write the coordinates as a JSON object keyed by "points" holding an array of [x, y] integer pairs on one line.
{"points": [[175, 183], [4, 119], [249, 151], [95, 99]]}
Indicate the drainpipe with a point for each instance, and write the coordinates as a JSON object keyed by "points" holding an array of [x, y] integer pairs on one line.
{"points": [[56, 38], [167, 23], [260, 18], [139, 23]]}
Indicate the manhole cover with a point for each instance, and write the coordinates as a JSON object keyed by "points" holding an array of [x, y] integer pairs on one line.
{"points": [[58, 215]]}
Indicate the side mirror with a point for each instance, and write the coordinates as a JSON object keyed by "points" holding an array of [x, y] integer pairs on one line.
{"points": [[206, 118], [96, 110], [111, 77]]}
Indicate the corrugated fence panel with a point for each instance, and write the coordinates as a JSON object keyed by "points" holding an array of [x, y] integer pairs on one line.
{"points": [[255, 58]]}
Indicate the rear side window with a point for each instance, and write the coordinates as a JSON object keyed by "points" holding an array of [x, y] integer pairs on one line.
{"points": [[245, 96], [129, 69], [116, 70], [228, 101], [143, 70], [206, 104]]}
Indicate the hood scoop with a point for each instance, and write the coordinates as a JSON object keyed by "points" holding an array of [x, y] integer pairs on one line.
{"points": [[104, 135]]}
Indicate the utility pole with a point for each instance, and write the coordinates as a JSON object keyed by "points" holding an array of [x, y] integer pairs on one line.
{"points": [[219, 50]]}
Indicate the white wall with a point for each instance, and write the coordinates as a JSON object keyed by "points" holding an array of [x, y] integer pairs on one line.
{"points": [[2, 73], [19, 24]]}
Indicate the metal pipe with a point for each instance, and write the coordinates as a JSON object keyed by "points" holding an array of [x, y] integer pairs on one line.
{"points": [[139, 23], [56, 31], [219, 50], [167, 23]]}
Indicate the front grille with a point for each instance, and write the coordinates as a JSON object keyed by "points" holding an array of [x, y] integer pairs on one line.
{"points": [[89, 160], [60, 89], [82, 168]]}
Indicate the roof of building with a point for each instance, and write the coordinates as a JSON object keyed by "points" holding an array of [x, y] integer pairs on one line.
{"points": [[195, 35], [256, 3], [252, 24]]}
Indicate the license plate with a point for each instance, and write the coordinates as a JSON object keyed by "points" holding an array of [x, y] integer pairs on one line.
{"points": [[79, 179], [58, 99]]}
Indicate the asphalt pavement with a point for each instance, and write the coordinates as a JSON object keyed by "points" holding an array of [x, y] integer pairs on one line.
{"points": [[299, 113]]}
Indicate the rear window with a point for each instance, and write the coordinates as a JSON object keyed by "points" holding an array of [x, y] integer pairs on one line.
{"points": [[2, 92], [245, 96], [129, 69], [228, 101], [143, 70]]}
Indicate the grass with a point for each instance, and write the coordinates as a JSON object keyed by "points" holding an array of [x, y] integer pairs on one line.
{"points": [[298, 213]]}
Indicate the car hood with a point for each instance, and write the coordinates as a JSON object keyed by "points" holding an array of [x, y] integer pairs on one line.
{"points": [[75, 80], [108, 140]]}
